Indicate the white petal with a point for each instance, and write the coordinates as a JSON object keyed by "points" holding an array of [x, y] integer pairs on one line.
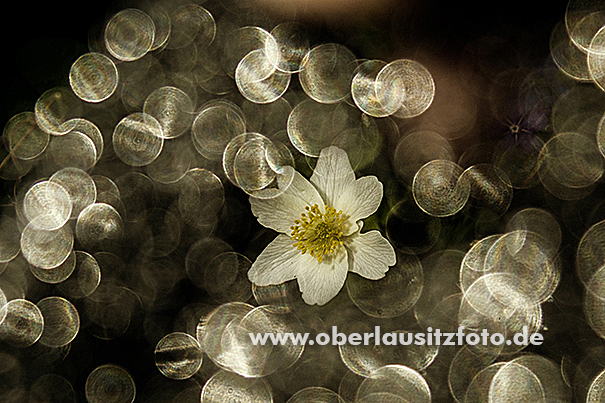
{"points": [[370, 254], [280, 212], [320, 282], [359, 200], [276, 264], [333, 173]]}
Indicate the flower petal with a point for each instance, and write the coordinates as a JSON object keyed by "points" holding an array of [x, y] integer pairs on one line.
{"points": [[280, 212], [276, 264], [333, 173], [359, 200], [320, 282], [370, 254]]}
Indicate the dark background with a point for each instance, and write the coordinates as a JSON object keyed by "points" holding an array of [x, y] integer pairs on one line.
{"points": [[40, 40]]}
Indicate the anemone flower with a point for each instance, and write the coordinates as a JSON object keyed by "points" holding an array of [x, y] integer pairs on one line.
{"points": [[320, 238]]}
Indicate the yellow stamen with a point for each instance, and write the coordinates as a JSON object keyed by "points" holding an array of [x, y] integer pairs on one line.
{"points": [[317, 232]]}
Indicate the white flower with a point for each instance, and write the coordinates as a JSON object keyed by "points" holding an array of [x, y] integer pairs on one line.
{"points": [[320, 236]]}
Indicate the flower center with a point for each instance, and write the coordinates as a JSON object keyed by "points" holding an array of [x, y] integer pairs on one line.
{"points": [[317, 232]]}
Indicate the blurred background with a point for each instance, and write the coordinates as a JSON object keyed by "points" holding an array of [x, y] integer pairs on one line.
{"points": [[496, 85]]}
